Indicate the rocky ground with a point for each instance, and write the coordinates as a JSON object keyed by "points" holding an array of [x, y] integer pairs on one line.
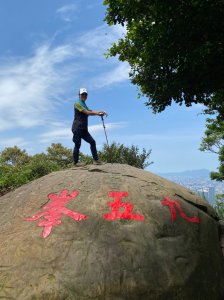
{"points": [[108, 232]]}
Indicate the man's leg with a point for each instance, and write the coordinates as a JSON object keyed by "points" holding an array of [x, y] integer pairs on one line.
{"points": [[77, 140], [88, 138]]}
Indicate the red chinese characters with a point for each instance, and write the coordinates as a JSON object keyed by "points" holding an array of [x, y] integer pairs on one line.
{"points": [[53, 212], [167, 201], [117, 204]]}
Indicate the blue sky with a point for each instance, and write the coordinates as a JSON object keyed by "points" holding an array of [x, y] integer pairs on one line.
{"points": [[48, 50]]}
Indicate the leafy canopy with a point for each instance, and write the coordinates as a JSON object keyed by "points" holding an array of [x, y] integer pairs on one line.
{"points": [[175, 49], [18, 168], [14, 156], [213, 141], [119, 153], [219, 206]]}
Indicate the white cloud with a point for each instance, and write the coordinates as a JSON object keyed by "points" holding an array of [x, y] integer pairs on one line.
{"points": [[11, 142], [30, 87], [64, 133], [55, 135], [93, 45], [4, 124], [67, 12], [99, 39], [120, 30], [116, 75]]}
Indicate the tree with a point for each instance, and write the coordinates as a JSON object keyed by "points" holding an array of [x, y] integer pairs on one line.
{"points": [[11, 176], [175, 49], [121, 154], [219, 206], [12, 162], [18, 168], [213, 141], [39, 166], [14, 156], [59, 154], [118, 153]]}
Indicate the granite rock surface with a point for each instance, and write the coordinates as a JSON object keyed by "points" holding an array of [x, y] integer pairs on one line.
{"points": [[73, 235]]}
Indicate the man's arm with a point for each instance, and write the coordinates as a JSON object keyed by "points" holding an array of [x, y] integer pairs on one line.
{"points": [[93, 113], [89, 112]]}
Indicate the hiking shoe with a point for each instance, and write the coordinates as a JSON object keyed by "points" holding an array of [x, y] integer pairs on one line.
{"points": [[98, 162], [79, 164]]}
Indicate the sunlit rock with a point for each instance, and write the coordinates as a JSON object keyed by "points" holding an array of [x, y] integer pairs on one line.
{"points": [[108, 232]]}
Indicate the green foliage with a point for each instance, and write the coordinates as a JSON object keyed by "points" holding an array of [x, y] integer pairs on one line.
{"points": [[118, 153], [87, 159], [219, 206], [60, 155], [14, 156], [214, 136], [11, 177], [213, 142], [175, 49], [219, 175], [12, 160], [18, 168], [40, 165], [216, 107], [176, 53]]}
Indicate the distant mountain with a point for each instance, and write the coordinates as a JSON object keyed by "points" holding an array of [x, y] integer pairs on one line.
{"points": [[202, 173]]}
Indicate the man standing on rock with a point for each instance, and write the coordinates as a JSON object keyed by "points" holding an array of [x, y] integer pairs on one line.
{"points": [[80, 127]]}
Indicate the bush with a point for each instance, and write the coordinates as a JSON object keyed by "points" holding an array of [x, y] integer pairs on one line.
{"points": [[219, 206], [60, 155], [11, 177], [40, 165], [18, 168], [118, 153]]}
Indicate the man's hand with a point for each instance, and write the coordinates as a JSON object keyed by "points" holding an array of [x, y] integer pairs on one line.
{"points": [[103, 113]]}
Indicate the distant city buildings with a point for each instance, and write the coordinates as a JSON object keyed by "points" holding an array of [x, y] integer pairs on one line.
{"points": [[205, 187], [208, 194], [211, 195]]}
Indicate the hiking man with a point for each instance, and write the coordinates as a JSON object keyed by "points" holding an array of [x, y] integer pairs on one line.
{"points": [[80, 127]]}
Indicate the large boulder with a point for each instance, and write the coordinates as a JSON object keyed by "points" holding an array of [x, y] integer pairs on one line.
{"points": [[108, 232]]}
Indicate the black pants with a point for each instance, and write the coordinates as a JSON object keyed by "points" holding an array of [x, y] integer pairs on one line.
{"points": [[79, 134]]}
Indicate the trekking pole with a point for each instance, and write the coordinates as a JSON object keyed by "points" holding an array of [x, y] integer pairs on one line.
{"points": [[108, 147]]}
